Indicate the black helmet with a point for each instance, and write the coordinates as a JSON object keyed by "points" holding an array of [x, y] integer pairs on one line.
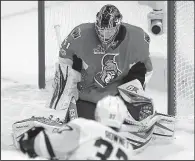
{"points": [[108, 21]]}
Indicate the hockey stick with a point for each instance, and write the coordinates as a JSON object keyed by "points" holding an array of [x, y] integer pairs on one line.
{"points": [[72, 110]]}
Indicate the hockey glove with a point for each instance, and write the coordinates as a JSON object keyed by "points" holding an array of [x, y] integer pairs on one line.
{"points": [[138, 72], [143, 122], [77, 63]]}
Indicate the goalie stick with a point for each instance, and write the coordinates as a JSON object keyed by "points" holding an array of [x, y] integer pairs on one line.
{"points": [[72, 110]]}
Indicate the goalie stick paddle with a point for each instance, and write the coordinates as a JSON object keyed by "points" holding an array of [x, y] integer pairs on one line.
{"points": [[72, 110]]}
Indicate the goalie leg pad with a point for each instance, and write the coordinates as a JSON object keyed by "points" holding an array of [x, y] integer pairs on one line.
{"points": [[49, 123], [65, 86], [58, 85], [165, 127]]}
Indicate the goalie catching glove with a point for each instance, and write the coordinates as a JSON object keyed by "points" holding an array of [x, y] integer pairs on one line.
{"points": [[139, 105], [143, 122]]}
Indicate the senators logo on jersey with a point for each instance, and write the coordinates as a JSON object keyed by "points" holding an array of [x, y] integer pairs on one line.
{"points": [[109, 71]]}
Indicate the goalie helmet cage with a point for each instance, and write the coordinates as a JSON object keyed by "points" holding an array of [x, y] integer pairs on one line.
{"points": [[180, 75]]}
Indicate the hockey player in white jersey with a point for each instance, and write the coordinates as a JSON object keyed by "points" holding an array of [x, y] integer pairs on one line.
{"points": [[79, 139]]}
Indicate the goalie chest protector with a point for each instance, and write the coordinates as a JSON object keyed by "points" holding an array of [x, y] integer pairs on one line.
{"points": [[102, 66]]}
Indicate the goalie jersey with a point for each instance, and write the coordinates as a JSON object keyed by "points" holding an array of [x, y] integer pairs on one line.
{"points": [[83, 139], [104, 65]]}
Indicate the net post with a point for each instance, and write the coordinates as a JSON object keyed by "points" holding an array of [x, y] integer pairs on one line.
{"points": [[171, 46], [41, 44]]}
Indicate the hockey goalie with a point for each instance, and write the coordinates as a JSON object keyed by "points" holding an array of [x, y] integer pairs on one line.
{"points": [[96, 60]]}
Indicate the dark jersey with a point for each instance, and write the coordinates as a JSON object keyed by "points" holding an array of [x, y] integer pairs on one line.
{"points": [[102, 66]]}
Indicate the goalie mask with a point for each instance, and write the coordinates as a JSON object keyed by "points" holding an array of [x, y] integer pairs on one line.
{"points": [[108, 21]]}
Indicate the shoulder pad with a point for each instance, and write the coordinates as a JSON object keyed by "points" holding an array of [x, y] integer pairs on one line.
{"points": [[81, 30]]}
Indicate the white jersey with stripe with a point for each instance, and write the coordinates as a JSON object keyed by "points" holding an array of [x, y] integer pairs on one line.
{"points": [[86, 140], [99, 142]]}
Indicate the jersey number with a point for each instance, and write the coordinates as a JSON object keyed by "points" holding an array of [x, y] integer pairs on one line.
{"points": [[109, 148]]}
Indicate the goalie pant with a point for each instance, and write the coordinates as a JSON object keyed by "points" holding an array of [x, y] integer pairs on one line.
{"points": [[86, 109]]}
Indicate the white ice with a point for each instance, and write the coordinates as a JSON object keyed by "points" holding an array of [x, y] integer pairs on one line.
{"points": [[20, 93]]}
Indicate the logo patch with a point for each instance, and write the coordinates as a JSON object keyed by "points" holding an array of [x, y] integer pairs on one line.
{"points": [[62, 52], [65, 45], [132, 88], [109, 71], [99, 50], [146, 37], [76, 33], [114, 44]]}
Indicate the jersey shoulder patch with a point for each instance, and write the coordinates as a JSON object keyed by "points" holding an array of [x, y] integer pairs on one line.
{"points": [[146, 37], [76, 33], [82, 30]]}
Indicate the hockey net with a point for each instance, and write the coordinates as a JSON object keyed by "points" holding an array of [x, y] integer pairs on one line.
{"points": [[184, 58], [70, 14]]}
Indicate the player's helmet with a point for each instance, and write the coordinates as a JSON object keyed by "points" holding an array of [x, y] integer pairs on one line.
{"points": [[108, 21], [111, 111]]}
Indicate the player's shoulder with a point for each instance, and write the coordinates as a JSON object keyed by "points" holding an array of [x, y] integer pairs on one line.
{"points": [[79, 120], [132, 29], [137, 32], [84, 122], [89, 124], [86, 26], [82, 30], [138, 42]]}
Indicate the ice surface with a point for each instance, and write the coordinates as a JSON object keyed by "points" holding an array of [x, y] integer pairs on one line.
{"points": [[17, 99]]}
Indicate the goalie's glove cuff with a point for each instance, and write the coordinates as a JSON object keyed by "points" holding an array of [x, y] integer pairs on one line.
{"points": [[132, 91]]}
